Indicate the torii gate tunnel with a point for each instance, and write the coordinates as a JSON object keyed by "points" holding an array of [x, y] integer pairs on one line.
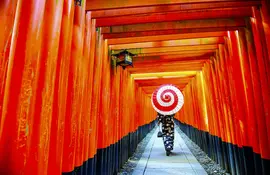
{"points": [[65, 108]]}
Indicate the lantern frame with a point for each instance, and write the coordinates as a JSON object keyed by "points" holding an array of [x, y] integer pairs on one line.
{"points": [[123, 58], [78, 2]]}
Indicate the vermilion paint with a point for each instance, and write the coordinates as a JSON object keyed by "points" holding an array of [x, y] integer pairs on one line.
{"points": [[60, 94], [17, 121], [7, 15], [61, 99]]}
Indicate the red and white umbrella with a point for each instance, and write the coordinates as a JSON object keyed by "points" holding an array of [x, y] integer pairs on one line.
{"points": [[167, 99]]}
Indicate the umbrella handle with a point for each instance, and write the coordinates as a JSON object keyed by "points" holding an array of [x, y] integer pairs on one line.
{"points": [[159, 127]]}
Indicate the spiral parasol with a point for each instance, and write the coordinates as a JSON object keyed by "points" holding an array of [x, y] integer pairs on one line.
{"points": [[167, 99]]}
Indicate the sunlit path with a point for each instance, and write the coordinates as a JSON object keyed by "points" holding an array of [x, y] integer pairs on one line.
{"points": [[181, 161]]}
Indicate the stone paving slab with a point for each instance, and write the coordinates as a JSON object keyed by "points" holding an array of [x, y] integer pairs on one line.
{"points": [[155, 162]]}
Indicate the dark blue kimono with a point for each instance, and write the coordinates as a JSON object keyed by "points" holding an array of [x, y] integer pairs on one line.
{"points": [[167, 130]]}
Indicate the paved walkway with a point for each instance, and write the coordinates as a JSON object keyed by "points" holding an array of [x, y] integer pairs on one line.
{"points": [[155, 162]]}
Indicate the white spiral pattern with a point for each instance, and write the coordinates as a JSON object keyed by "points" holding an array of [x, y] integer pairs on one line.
{"points": [[165, 107]]}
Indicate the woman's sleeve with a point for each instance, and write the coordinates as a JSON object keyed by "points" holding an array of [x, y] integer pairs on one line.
{"points": [[159, 118]]}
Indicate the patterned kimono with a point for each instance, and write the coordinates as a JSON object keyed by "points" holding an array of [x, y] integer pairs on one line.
{"points": [[167, 130]]}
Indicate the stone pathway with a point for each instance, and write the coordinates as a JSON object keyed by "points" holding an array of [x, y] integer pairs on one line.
{"points": [[155, 162]]}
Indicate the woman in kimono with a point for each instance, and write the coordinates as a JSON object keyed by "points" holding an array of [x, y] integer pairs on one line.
{"points": [[167, 131]]}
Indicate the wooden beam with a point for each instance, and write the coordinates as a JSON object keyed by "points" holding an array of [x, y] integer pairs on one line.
{"points": [[168, 32], [178, 63], [165, 37], [151, 69], [170, 43], [163, 77], [175, 16], [151, 6], [160, 81], [154, 86], [161, 74], [171, 57], [186, 24], [146, 61], [178, 54], [151, 89], [173, 49]]}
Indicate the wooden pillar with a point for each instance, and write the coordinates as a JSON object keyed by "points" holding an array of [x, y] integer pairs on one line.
{"points": [[60, 94], [258, 99], [73, 108], [21, 88], [104, 96], [7, 16], [88, 86], [265, 13], [262, 60], [92, 137], [42, 118], [248, 91], [217, 123], [237, 140], [208, 96], [259, 59], [228, 113], [226, 97], [80, 76], [96, 92]]}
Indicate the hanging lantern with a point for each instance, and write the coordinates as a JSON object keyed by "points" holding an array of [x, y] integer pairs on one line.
{"points": [[78, 2], [124, 58]]}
